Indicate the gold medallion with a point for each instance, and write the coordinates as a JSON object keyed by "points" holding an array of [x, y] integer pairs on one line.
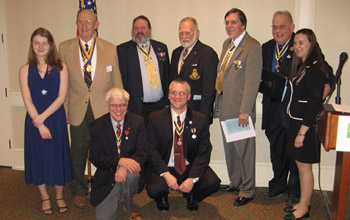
{"points": [[194, 75], [89, 68]]}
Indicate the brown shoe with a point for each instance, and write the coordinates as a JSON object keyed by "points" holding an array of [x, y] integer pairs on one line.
{"points": [[79, 201], [136, 214]]}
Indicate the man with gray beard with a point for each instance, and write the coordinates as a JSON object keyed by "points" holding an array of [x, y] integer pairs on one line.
{"points": [[144, 66], [197, 63]]}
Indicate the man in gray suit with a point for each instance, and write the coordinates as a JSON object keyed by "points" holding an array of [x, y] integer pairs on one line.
{"points": [[237, 85]]}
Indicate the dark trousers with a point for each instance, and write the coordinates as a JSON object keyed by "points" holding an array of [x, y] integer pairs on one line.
{"points": [[80, 143], [282, 164], [207, 184], [149, 107]]}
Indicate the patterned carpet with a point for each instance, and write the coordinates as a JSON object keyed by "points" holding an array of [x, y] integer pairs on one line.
{"points": [[21, 201]]}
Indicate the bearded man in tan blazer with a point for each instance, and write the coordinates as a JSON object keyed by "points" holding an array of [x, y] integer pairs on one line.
{"points": [[237, 85], [93, 70]]}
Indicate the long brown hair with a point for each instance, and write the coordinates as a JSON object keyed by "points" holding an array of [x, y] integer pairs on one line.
{"points": [[52, 58], [313, 55]]}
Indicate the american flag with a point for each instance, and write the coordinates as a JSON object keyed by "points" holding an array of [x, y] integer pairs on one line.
{"points": [[89, 5]]}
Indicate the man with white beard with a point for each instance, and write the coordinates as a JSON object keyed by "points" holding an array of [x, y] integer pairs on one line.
{"points": [[144, 66], [196, 63]]}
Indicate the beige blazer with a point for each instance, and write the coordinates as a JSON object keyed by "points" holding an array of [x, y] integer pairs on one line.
{"points": [[241, 79], [107, 76]]}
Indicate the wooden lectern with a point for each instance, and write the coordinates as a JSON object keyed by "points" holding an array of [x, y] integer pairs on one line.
{"points": [[327, 132]]}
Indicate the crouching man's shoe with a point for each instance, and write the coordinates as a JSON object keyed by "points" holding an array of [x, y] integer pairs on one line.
{"points": [[192, 204], [163, 204]]}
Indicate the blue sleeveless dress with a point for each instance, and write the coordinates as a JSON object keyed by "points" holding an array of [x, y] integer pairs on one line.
{"points": [[46, 161]]}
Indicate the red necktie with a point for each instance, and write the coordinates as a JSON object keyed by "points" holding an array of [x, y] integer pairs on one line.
{"points": [[183, 58], [119, 140], [179, 158]]}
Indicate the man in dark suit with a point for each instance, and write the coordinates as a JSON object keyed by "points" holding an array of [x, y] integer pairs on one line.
{"points": [[144, 66], [179, 151], [277, 57], [93, 70], [196, 63], [237, 84], [118, 150]]}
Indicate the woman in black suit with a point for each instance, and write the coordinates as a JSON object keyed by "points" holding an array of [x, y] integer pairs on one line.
{"points": [[307, 80]]}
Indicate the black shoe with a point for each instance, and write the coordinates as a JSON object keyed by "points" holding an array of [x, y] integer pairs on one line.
{"points": [[292, 209], [273, 195], [192, 204], [292, 199], [163, 204], [240, 201], [228, 189], [291, 216]]}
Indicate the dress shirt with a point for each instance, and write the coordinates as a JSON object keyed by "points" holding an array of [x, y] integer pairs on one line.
{"points": [[182, 53], [174, 118], [93, 59], [236, 42], [150, 94], [115, 123]]}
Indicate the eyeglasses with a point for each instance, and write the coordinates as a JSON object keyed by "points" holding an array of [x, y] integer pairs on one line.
{"points": [[139, 28], [187, 34], [123, 105], [86, 22], [175, 93], [232, 22], [281, 27]]}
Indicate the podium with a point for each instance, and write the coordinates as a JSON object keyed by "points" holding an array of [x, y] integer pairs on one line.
{"points": [[327, 132]]}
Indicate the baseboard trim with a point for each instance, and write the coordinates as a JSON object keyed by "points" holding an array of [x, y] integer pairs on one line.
{"points": [[263, 173]]}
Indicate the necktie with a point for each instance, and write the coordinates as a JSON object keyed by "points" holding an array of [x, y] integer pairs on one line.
{"points": [[119, 139], [183, 58], [87, 68], [179, 158], [151, 70], [220, 76], [87, 48]]}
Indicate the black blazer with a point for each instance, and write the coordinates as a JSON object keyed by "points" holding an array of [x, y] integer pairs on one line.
{"points": [[203, 60], [306, 98], [197, 146], [129, 66], [104, 153]]}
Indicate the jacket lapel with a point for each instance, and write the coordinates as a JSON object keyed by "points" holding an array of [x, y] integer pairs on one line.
{"points": [[111, 135], [99, 60], [126, 130], [190, 57], [237, 52], [187, 130], [75, 60]]}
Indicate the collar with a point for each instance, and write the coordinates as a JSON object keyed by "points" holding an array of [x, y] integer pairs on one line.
{"points": [[89, 42], [190, 48], [146, 44], [239, 39], [174, 115], [115, 123]]}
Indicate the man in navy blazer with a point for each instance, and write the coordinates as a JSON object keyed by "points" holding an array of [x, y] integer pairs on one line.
{"points": [[133, 57], [118, 156], [197, 63], [196, 180]]}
